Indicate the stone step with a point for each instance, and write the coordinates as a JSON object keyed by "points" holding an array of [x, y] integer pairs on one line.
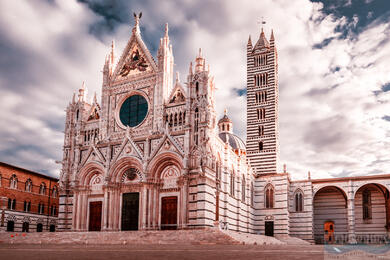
{"points": [[199, 236]]}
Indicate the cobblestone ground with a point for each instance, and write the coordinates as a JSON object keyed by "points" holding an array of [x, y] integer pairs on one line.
{"points": [[111, 252]]}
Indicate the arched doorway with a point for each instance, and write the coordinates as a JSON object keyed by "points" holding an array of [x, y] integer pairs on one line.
{"points": [[330, 206], [10, 226], [39, 227], [371, 213], [25, 226]]}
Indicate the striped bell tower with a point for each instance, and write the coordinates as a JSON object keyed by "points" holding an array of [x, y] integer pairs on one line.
{"points": [[262, 105]]}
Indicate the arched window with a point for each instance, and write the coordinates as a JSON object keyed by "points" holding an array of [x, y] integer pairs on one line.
{"points": [[261, 146], [252, 195], [41, 208], [13, 182], [197, 88], [42, 189], [269, 196], [299, 201], [243, 186], [367, 213], [27, 206], [232, 184], [54, 192], [28, 185], [77, 114], [53, 210], [11, 204], [261, 130]]}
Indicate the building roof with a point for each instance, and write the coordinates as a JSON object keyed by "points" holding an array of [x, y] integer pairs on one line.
{"points": [[29, 171], [234, 141]]}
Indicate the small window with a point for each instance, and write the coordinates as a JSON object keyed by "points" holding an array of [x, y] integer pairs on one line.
{"points": [[261, 130], [27, 206], [232, 184], [243, 187], [25, 227], [298, 201], [53, 210], [260, 113], [367, 213], [42, 189], [13, 182], [261, 146], [28, 185], [269, 197], [54, 192], [41, 208]]}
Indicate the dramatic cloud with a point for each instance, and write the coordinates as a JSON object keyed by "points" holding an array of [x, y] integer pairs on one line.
{"points": [[333, 72]]}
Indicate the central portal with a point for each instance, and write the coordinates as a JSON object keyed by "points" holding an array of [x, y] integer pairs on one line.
{"points": [[169, 213], [95, 216], [130, 211]]}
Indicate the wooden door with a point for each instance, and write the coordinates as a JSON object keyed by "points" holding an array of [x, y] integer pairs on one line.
{"points": [[269, 228], [329, 232], [130, 211], [95, 216], [169, 213]]}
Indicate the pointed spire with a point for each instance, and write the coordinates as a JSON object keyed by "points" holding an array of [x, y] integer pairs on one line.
{"points": [[112, 51], [81, 95], [262, 42], [249, 41], [309, 176], [225, 111], [272, 38], [74, 98], [190, 69], [200, 53], [166, 30], [94, 98], [177, 77]]}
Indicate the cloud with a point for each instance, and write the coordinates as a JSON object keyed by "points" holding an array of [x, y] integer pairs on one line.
{"points": [[333, 78]]}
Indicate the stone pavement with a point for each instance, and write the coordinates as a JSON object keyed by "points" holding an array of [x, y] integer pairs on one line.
{"points": [[167, 251]]}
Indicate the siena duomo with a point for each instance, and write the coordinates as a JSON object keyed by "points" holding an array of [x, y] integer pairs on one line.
{"points": [[153, 155]]}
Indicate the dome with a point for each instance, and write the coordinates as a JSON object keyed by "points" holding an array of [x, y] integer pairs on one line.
{"points": [[234, 141], [224, 119]]}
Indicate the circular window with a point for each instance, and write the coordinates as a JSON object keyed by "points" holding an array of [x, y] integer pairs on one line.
{"points": [[133, 110]]}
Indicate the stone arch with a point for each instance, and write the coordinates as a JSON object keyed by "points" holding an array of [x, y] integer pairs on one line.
{"points": [[318, 188], [163, 160], [372, 213], [330, 204], [120, 166], [87, 172]]}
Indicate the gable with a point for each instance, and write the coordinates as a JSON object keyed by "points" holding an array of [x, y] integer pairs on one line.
{"points": [[135, 60]]}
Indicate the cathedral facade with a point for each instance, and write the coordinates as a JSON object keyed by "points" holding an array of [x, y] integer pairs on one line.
{"points": [[153, 155]]}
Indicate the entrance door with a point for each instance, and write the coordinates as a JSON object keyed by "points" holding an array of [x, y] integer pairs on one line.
{"points": [[169, 213], [269, 228], [130, 211], [329, 232], [10, 225], [95, 216], [39, 227]]}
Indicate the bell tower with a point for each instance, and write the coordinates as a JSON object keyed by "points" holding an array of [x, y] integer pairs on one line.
{"points": [[262, 105]]}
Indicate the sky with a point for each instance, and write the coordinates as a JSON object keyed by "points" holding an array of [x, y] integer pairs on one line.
{"points": [[334, 72]]}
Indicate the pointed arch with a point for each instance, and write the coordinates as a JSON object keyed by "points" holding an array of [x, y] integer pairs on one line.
{"points": [[269, 196], [298, 200]]}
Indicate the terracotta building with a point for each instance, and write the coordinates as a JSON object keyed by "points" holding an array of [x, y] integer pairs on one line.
{"points": [[28, 200], [153, 155]]}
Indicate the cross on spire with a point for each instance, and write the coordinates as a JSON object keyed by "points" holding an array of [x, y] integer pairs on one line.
{"points": [[262, 22]]}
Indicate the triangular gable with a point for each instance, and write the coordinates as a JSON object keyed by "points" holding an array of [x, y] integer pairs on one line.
{"points": [[135, 59], [94, 112], [128, 148], [94, 155], [178, 95], [168, 143]]}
